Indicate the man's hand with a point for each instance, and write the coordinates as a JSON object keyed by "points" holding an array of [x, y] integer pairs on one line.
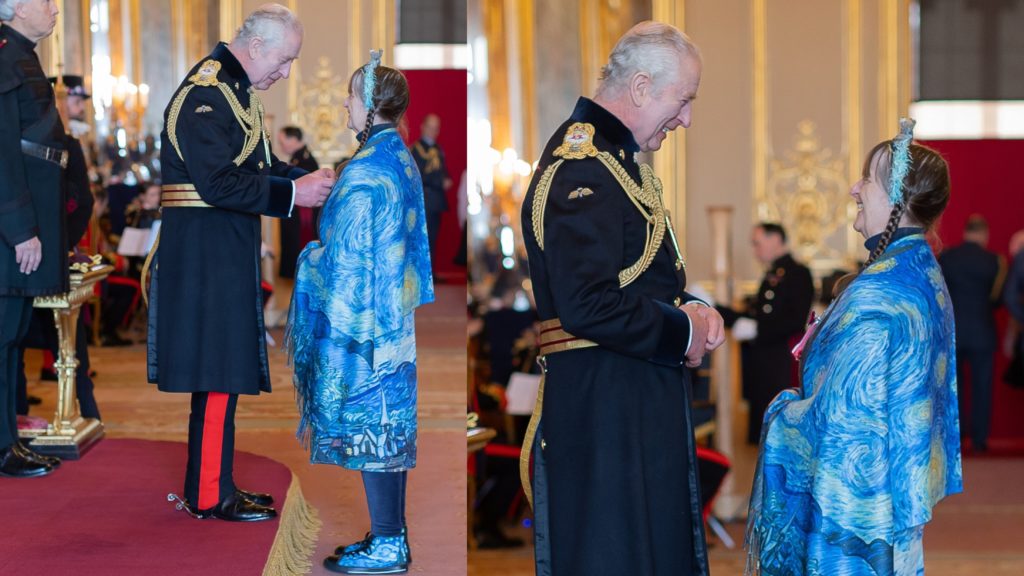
{"points": [[698, 334], [28, 255], [716, 326], [312, 189]]}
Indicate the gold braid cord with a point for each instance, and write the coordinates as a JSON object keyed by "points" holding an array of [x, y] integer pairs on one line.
{"points": [[646, 198], [250, 120], [172, 118], [540, 200]]}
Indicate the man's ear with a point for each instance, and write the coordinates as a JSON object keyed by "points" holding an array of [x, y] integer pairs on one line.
{"points": [[255, 47], [640, 88]]}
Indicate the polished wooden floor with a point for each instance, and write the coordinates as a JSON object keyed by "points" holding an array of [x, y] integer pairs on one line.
{"points": [[436, 510], [977, 533]]}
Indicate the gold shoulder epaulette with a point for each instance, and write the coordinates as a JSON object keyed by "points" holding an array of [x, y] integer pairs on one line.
{"points": [[207, 74], [578, 143], [250, 120], [645, 196]]}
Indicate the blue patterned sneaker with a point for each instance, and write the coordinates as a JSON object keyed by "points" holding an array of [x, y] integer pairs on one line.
{"points": [[381, 555], [355, 546]]}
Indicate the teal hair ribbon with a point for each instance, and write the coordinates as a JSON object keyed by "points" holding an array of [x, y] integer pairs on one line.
{"points": [[370, 77], [900, 160]]}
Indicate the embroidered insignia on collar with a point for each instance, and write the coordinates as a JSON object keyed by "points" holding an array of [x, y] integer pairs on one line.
{"points": [[578, 142], [3, 42], [580, 193], [207, 74], [203, 109]]}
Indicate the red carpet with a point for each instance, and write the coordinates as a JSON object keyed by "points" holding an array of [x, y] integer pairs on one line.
{"points": [[107, 514]]}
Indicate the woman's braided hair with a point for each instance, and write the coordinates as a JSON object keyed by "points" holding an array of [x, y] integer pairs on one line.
{"points": [[390, 98], [924, 194], [924, 190]]}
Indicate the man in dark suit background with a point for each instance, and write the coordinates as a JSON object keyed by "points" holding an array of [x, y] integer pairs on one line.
{"points": [[300, 228], [434, 171], [974, 276]]}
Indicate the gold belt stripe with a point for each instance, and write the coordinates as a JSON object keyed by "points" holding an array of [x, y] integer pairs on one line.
{"points": [[181, 196], [553, 339]]}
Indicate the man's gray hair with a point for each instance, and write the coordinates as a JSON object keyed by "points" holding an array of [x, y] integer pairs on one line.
{"points": [[268, 22], [7, 9], [651, 47]]}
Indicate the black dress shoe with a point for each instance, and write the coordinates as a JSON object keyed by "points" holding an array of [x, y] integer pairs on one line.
{"points": [[27, 453], [235, 508], [14, 465], [256, 497], [34, 400]]}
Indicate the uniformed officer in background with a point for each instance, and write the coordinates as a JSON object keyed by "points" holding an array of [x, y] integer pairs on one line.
{"points": [[42, 333], [33, 247], [206, 331], [614, 479], [772, 322]]}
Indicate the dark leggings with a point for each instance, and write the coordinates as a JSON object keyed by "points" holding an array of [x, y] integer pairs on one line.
{"points": [[385, 497]]}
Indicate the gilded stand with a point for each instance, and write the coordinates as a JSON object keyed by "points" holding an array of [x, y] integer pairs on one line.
{"points": [[69, 435]]}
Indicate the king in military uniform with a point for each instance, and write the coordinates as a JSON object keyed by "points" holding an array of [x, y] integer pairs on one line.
{"points": [[613, 475], [206, 333], [33, 244]]}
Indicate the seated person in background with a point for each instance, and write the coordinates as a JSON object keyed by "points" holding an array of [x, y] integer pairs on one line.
{"points": [[142, 214], [144, 210], [119, 294]]}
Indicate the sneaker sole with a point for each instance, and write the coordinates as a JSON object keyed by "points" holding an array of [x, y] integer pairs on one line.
{"points": [[400, 569]]}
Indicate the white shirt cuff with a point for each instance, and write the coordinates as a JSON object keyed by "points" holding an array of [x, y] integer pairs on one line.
{"points": [[292, 207], [689, 337]]}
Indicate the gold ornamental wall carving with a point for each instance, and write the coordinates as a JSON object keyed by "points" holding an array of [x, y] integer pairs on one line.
{"points": [[321, 113], [806, 191]]}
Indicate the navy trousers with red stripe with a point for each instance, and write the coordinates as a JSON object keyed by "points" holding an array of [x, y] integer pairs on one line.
{"points": [[211, 449]]}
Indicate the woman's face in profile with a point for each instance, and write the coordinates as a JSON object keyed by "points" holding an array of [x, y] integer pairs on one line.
{"points": [[873, 207], [354, 105]]}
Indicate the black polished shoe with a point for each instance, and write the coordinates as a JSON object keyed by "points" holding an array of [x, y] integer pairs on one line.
{"points": [[14, 465], [27, 453], [235, 508], [256, 497]]}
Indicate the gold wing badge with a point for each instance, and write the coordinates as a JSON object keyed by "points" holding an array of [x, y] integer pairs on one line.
{"points": [[578, 142]]}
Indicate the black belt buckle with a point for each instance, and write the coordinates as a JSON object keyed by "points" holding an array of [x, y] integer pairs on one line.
{"points": [[55, 155]]}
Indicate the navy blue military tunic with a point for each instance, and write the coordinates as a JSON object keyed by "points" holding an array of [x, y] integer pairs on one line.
{"points": [[614, 475], [206, 330], [32, 201]]}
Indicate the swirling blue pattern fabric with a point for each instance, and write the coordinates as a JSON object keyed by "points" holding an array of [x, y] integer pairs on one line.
{"points": [[852, 463], [351, 330]]}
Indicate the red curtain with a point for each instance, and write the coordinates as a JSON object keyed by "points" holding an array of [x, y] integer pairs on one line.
{"points": [[443, 92], [983, 182]]}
